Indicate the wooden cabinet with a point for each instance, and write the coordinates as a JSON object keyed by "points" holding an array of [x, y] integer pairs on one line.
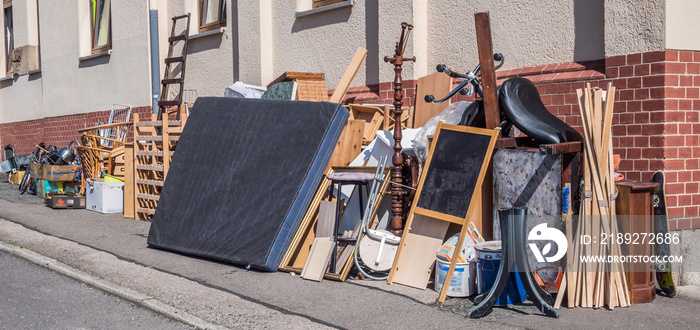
{"points": [[635, 216]]}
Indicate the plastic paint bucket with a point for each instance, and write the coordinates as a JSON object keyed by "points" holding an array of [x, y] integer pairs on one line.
{"points": [[488, 257], [462, 283]]}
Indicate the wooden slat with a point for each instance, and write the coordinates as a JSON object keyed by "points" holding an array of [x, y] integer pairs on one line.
{"points": [[148, 196], [149, 153], [169, 103], [319, 257], [150, 138], [174, 59], [156, 183], [172, 123], [325, 224], [158, 168], [177, 38], [488, 74], [350, 73], [147, 211], [129, 203], [172, 81]]}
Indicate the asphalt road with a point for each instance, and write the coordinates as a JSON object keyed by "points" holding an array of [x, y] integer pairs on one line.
{"points": [[32, 297]]}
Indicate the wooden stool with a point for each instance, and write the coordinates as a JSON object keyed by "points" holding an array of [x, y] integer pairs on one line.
{"points": [[339, 178]]}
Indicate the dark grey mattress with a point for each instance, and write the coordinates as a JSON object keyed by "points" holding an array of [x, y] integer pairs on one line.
{"points": [[243, 175]]}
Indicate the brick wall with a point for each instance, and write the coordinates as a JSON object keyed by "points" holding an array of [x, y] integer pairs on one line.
{"points": [[58, 131], [655, 124]]}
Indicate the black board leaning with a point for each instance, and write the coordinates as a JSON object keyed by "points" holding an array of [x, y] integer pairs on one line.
{"points": [[454, 170]]}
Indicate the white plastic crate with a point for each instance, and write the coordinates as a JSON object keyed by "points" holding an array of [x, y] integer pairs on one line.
{"points": [[104, 197]]}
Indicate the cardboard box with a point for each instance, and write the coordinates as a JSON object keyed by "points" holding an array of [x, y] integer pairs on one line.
{"points": [[59, 172], [44, 187], [104, 197], [54, 172], [16, 177], [35, 170], [57, 200]]}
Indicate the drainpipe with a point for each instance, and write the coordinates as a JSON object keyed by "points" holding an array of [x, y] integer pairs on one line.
{"points": [[155, 55]]}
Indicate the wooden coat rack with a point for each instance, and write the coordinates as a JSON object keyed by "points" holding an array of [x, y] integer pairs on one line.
{"points": [[397, 159]]}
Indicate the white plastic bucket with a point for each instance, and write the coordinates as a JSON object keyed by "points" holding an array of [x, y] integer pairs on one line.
{"points": [[463, 282]]}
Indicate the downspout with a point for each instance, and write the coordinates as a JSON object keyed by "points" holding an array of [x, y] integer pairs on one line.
{"points": [[155, 55]]}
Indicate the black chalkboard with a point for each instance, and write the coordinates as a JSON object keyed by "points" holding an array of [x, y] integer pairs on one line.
{"points": [[453, 171]]}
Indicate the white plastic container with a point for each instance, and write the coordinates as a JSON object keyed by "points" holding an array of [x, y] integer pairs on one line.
{"points": [[463, 283], [104, 197]]}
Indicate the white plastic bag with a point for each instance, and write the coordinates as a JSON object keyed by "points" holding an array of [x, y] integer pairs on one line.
{"points": [[451, 115]]}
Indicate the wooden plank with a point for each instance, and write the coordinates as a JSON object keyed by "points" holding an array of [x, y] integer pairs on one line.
{"points": [[349, 144], [158, 168], [350, 73], [157, 183], [148, 196], [129, 182], [488, 74], [148, 153], [326, 219], [437, 84], [166, 147], [426, 235], [560, 148], [319, 257], [157, 123], [145, 210]]}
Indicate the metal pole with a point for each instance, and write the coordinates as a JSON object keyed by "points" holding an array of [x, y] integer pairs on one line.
{"points": [[155, 60]]}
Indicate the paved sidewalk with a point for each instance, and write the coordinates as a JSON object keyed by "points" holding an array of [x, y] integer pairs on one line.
{"points": [[114, 249]]}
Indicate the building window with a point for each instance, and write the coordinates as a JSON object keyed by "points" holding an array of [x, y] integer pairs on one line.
{"points": [[101, 25], [321, 3], [9, 35], [212, 14]]}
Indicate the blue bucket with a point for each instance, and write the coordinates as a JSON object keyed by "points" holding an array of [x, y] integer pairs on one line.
{"points": [[488, 257]]}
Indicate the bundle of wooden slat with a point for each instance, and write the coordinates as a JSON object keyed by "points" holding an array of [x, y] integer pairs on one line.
{"points": [[596, 284]]}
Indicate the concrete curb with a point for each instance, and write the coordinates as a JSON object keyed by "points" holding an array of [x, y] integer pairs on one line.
{"points": [[131, 296]]}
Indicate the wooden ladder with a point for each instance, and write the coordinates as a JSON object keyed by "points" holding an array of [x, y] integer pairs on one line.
{"points": [[169, 78]]}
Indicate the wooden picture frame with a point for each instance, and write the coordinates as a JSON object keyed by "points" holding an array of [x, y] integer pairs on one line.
{"points": [[427, 224]]}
